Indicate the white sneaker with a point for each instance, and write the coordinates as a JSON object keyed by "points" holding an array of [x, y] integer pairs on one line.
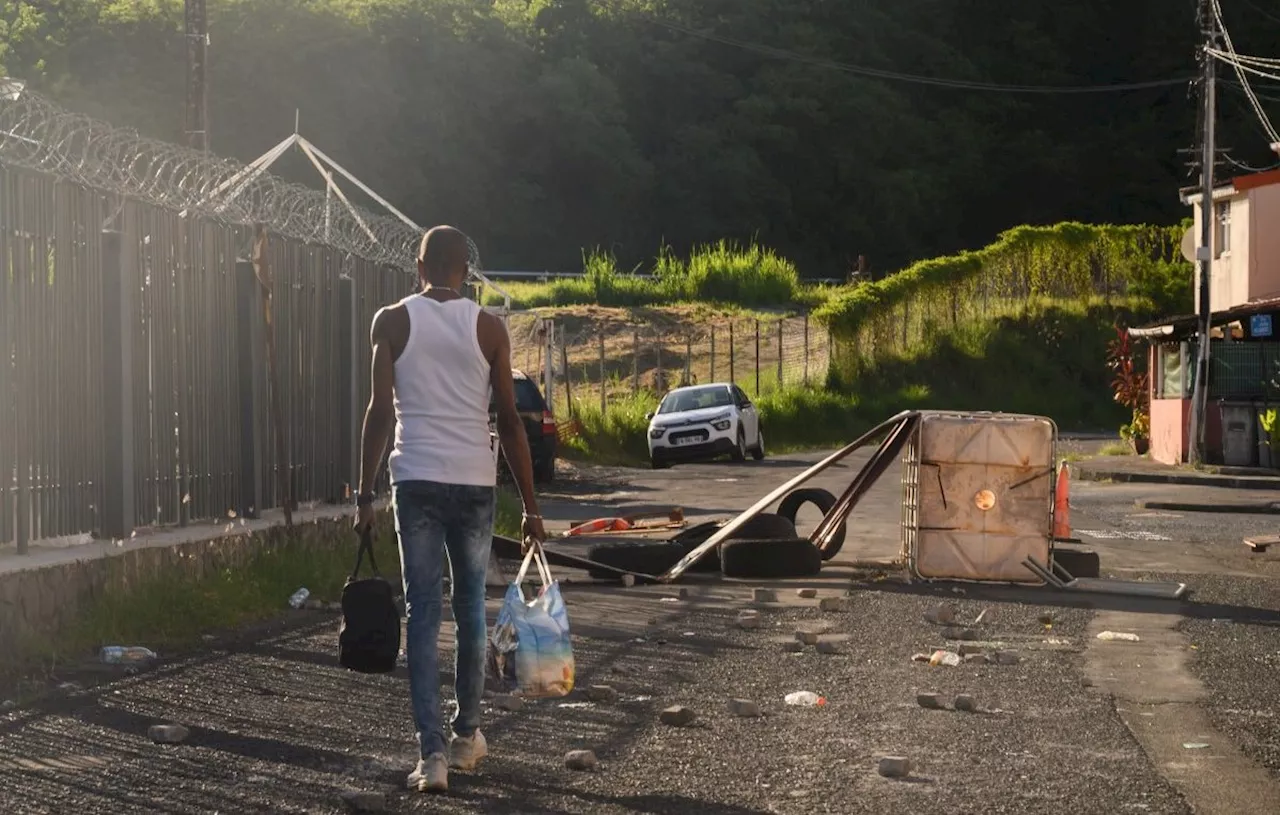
{"points": [[431, 774], [465, 752]]}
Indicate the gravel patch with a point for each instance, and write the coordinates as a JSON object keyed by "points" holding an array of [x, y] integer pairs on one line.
{"points": [[276, 726], [1234, 628]]}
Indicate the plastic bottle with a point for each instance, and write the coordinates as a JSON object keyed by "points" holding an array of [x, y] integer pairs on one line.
{"points": [[120, 654], [805, 698], [299, 597]]}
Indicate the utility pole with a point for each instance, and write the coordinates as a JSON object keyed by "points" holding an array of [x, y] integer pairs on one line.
{"points": [[1208, 214], [196, 121]]}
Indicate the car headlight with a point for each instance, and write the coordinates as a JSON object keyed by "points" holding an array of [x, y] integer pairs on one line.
{"points": [[656, 432], [721, 424]]}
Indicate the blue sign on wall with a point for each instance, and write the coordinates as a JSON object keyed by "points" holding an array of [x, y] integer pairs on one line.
{"points": [[1260, 325]]}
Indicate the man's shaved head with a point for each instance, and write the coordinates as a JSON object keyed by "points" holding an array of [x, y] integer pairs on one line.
{"points": [[443, 256]]}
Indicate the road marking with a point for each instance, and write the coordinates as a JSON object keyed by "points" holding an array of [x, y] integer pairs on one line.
{"points": [[1116, 534], [1155, 515]]}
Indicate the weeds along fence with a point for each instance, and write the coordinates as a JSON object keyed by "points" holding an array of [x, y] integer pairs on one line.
{"points": [[135, 380], [1066, 262], [598, 363]]}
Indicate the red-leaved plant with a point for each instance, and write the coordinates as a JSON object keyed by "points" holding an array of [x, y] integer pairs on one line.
{"points": [[1129, 385]]}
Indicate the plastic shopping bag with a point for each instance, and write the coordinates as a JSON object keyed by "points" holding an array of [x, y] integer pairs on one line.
{"points": [[531, 654]]}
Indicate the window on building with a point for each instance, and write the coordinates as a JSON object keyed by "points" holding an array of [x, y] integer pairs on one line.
{"points": [[1221, 228]]}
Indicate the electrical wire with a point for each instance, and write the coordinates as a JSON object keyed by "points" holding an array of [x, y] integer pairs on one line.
{"points": [[896, 76], [1266, 14], [1233, 58]]}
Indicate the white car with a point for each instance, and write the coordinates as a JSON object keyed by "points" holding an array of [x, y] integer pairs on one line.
{"points": [[702, 422]]}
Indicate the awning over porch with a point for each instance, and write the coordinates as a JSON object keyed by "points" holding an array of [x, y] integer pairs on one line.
{"points": [[1184, 326]]}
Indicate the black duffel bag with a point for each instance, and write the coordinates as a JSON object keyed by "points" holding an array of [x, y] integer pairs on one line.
{"points": [[369, 639]]}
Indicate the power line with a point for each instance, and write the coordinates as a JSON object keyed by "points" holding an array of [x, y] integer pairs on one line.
{"points": [[1267, 14], [1234, 59], [896, 76]]}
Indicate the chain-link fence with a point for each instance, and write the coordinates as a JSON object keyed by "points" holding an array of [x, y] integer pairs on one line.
{"points": [[595, 362]]}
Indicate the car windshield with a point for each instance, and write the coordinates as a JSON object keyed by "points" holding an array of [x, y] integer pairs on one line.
{"points": [[696, 399]]}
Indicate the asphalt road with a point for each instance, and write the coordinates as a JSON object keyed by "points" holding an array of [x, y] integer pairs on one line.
{"points": [[277, 727]]}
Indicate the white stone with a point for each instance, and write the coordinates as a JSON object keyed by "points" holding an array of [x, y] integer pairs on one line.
{"points": [[582, 761], [930, 701]]}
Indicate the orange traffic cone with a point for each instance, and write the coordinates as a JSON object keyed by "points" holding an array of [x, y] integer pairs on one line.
{"points": [[1062, 505]]}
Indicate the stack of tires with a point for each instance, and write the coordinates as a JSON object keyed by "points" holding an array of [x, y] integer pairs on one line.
{"points": [[767, 546]]}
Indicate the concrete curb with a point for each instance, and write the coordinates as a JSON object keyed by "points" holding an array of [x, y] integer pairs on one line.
{"points": [[1241, 509], [1252, 482]]}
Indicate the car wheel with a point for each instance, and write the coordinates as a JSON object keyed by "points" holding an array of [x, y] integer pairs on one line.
{"points": [[769, 558], [824, 501], [658, 463], [740, 451], [545, 471], [758, 451]]}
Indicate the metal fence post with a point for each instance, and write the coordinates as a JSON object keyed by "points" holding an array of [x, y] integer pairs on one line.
{"points": [[757, 357], [119, 311], [711, 377], [635, 361], [252, 378], [348, 407], [780, 324], [806, 350], [604, 399], [732, 377]]}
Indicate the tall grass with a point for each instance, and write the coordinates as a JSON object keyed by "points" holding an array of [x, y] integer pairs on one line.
{"points": [[722, 273]]}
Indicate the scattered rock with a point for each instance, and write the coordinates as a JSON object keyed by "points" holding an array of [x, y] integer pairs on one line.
{"points": [[7, 705], [966, 703], [168, 733], [69, 687], [1046, 619], [955, 632], [930, 701], [314, 605], [677, 716], [508, 702], [793, 647], [941, 615], [970, 650], [764, 595], [833, 604], [1004, 658], [583, 761], [602, 693], [978, 657], [748, 619], [827, 647], [364, 801], [806, 594], [895, 766], [807, 637], [745, 708], [628, 580]]}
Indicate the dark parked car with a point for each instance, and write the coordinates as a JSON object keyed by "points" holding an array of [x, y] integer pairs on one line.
{"points": [[539, 426]]}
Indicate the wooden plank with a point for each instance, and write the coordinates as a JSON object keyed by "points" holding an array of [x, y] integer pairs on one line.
{"points": [[1259, 543]]}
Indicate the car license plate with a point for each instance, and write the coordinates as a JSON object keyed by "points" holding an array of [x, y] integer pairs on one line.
{"points": [[687, 440]]}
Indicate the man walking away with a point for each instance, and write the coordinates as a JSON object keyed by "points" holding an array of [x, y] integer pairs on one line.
{"points": [[437, 356]]}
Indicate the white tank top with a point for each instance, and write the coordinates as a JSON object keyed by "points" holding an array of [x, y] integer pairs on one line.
{"points": [[442, 397]]}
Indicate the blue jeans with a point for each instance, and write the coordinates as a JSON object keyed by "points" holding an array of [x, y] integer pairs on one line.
{"points": [[434, 520]]}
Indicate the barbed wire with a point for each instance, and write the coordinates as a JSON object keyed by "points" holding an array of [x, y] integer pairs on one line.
{"points": [[36, 134]]}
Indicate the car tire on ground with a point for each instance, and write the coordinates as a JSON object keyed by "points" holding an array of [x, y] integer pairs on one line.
{"points": [[757, 452], [1079, 562], [769, 558], [639, 556], [740, 450], [658, 463], [824, 501]]}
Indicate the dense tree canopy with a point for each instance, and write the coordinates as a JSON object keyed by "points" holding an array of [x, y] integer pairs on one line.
{"points": [[545, 126]]}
